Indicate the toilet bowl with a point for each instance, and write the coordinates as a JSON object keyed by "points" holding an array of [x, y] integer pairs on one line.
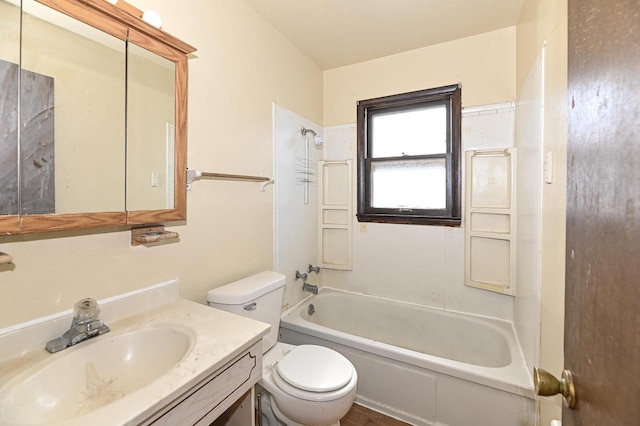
{"points": [[305, 385], [293, 402]]}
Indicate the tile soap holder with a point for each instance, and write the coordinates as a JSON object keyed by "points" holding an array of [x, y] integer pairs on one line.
{"points": [[151, 234]]}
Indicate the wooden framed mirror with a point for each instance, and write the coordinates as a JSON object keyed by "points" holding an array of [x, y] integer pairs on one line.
{"points": [[102, 119], [149, 202]]}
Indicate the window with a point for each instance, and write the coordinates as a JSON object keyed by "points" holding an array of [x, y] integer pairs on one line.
{"points": [[409, 158]]}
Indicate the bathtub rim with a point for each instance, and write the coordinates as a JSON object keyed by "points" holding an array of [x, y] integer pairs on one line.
{"points": [[513, 378]]}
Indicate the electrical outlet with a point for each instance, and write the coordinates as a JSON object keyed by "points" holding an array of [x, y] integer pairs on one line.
{"points": [[154, 179], [363, 227]]}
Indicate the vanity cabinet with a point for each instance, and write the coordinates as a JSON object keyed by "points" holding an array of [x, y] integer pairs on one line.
{"points": [[224, 398], [96, 112]]}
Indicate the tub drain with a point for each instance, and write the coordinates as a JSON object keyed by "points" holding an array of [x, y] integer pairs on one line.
{"points": [[312, 309]]}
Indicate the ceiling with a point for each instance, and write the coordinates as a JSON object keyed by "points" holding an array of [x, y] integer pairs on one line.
{"points": [[335, 33]]}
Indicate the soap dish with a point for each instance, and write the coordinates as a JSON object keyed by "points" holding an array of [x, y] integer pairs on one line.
{"points": [[151, 234]]}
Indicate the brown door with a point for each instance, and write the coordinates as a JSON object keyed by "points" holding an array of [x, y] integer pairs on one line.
{"points": [[602, 329]]}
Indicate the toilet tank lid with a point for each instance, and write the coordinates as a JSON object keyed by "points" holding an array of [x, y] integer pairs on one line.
{"points": [[246, 289]]}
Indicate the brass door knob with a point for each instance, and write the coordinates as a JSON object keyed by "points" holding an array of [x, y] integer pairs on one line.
{"points": [[547, 385]]}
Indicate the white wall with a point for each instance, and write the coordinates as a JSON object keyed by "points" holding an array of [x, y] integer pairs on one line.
{"points": [[421, 264], [295, 222], [529, 184]]}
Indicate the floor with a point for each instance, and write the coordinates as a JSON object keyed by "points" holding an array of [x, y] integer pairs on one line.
{"points": [[360, 416]]}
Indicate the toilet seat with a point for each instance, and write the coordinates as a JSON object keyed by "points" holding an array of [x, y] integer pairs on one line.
{"points": [[315, 369], [313, 396], [298, 369]]}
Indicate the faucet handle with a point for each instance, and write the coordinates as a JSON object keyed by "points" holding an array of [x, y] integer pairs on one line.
{"points": [[300, 275], [315, 269], [86, 309]]}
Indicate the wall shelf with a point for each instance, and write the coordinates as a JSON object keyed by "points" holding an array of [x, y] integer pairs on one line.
{"points": [[490, 245], [335, 216]]}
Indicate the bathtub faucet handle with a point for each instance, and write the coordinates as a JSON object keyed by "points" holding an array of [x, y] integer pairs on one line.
{"points": [[315, 269], [300, 275]]}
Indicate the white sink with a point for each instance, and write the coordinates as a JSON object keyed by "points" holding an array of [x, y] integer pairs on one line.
{"points": [[92, 374], [160, 350]]}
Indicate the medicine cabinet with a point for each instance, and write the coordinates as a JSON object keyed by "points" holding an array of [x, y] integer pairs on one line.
{"points": [[93, 111]]}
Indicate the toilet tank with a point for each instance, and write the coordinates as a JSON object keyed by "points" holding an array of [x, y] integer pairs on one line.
{"points": [[258, 297]]}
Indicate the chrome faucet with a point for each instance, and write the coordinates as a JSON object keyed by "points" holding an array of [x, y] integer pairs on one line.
{"points": [[300, 276], [310, 287], [85, 324]]}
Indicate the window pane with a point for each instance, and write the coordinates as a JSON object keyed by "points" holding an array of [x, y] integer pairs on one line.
{"points": [[416, 132], [417, 184]]}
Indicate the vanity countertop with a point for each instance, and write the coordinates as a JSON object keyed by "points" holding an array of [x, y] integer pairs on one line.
{"points": [[217, 337]]}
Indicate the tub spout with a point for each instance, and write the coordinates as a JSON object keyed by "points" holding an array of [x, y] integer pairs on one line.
{"points": [[310, 287]]}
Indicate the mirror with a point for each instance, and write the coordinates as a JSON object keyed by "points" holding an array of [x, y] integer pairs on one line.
{"points": [[9, 58], [83, 144], [150, 130], [73, 110]]}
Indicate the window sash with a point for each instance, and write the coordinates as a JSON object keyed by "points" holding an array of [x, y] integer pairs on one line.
{"points": [[376, 138], [409, 210], [450, 215]]}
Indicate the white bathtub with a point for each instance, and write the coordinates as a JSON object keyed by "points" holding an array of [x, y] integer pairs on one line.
{"points": [[423, 365]]}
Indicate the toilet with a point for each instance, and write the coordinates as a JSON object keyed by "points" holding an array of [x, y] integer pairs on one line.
{"points": [[304, 385]]}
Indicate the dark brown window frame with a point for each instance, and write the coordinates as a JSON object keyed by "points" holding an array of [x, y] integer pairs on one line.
{"points": [[451, 214]]}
